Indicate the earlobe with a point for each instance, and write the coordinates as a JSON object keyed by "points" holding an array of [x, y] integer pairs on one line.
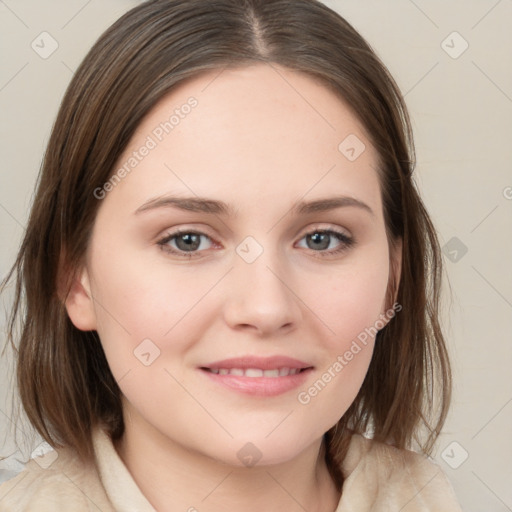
{"points": [[79, 302]]}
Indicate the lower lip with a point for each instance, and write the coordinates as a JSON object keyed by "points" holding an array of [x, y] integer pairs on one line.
{"points": [[260, 386]]}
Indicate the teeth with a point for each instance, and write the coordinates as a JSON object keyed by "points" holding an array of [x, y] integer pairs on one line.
{"points": [[256, 372], [253, 372]]}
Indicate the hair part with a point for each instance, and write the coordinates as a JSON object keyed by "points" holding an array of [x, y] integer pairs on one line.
{"points": [[64, 381]]}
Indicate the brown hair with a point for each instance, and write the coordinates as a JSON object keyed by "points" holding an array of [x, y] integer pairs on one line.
{"points": [[65, 383]]}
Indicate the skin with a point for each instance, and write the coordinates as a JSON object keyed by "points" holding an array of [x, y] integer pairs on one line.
{"points": [[260, 139]]}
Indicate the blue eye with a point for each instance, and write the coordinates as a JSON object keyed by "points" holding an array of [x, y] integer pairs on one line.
{"points": [[189, 244], [320, 240]]}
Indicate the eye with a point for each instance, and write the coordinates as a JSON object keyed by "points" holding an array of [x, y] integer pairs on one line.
{"points": [[322, 239], [184, 243], [189, 244]]}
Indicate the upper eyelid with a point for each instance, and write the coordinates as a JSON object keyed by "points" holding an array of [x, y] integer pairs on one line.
{"points": [[202, 231], [180, 231]]}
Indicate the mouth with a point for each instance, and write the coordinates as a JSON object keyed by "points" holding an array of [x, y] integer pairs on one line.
{"points": [[258, 376]]}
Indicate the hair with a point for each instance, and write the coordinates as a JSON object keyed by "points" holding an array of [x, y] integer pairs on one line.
{"points": [[65, 384]]}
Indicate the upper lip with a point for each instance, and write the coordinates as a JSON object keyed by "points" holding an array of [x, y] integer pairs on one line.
{"points": [[263, 363]]}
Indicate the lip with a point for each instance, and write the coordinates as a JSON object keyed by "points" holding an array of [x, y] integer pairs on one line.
{"points": [[259, 386]]}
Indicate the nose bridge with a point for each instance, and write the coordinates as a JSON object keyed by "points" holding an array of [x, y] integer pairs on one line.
{"points": [[260, 292]]}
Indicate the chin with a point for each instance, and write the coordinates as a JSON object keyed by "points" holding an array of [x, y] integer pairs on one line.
{"points": [[273, 450]]}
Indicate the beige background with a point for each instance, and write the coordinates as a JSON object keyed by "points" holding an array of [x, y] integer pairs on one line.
{"points": [[460, 101]]}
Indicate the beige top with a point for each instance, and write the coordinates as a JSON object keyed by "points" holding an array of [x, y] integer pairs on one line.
{"points": [[378, 478]]}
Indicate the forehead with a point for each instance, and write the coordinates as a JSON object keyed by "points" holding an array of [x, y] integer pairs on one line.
{"points": [[252, 133]]}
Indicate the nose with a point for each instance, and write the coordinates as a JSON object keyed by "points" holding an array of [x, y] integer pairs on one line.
{"points": [[260, 297]]}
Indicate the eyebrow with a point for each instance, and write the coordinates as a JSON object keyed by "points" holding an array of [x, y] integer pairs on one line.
{"points": [[215, 207]]}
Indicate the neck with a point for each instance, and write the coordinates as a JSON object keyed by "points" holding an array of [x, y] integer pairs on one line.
{"points": [[174, 478]]}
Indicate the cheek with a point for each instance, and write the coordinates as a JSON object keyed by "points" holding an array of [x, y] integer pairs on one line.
{"points": [[350, 307], [351, 300], [136, 302]]}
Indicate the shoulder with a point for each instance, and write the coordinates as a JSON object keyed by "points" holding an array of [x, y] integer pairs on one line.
{"points": [[389, 478], [58, 481]]}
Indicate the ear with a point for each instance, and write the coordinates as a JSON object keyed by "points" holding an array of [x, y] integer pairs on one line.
{"points": [[395, 272], [79, 302], [395, 268]]}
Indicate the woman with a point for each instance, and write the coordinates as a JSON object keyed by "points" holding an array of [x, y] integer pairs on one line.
{"points": [[231, 281]]}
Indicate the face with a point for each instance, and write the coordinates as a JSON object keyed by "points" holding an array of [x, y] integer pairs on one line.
{"points": [[238, 268]]}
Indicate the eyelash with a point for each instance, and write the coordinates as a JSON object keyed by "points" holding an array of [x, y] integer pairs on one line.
{"points": [[346, 242]]}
